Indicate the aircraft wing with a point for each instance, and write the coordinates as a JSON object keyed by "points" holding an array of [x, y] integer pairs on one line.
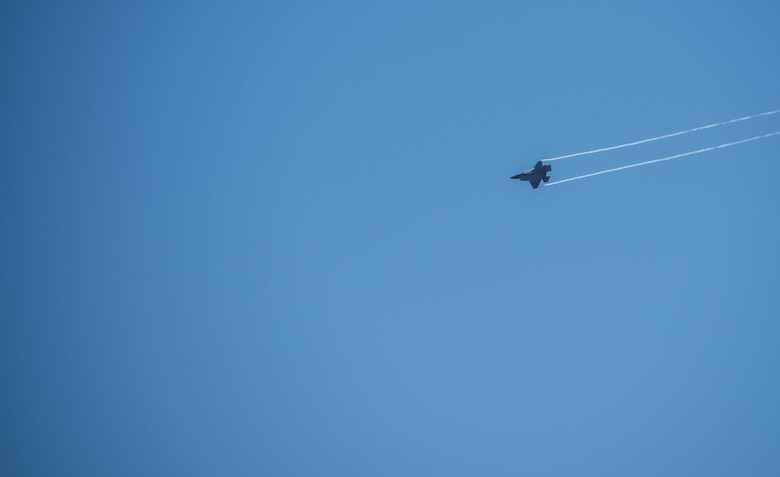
{"points": [[535, 182]]}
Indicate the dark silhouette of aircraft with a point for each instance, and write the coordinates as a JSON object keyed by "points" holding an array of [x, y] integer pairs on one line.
{"points": [[535, 175]]}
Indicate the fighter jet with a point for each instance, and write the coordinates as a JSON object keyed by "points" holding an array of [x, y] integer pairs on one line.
{"points": [[535, 175]]}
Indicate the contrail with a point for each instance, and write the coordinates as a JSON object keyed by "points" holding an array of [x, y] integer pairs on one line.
{"points": [[679, 133], [698, 151]]}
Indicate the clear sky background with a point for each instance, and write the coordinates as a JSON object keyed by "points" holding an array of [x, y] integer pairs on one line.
{"points": [[279, 238]]}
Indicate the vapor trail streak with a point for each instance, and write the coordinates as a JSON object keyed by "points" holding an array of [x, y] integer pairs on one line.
{"points": [[679, 133], [698, 151]]}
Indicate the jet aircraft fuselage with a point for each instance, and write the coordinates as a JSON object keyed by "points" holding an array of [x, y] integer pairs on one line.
{"points": [[535, 175]]}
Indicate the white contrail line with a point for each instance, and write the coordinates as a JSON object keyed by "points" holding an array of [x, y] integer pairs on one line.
{"points": [[679, 133], [698, 151]]}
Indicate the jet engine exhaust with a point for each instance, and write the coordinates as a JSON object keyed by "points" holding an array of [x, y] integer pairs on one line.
{"points": [[665, 136], [698, 151]]}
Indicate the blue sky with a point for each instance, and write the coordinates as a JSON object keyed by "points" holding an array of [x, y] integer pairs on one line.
{"points": [[280, 239]]}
